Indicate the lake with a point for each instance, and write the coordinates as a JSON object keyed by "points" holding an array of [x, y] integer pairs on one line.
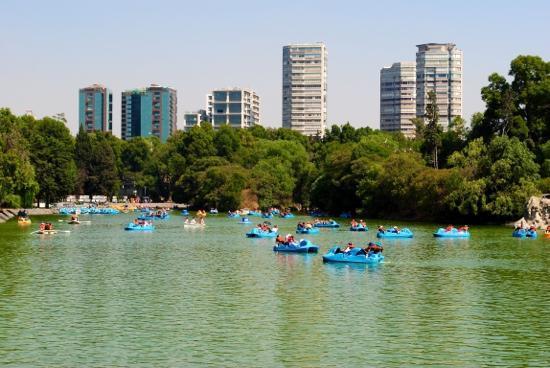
{"points": [[101, 296]]}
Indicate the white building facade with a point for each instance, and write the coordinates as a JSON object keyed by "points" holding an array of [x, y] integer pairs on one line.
{"points": [[398, 98], [305, 88], [195, 118], [439, 68], [236, 107]]}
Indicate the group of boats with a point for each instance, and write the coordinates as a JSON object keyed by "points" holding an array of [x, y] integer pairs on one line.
{"points": [[154, 215], [268, 214], [529, 232], [372, 254], [145, 223], [88, 211]]}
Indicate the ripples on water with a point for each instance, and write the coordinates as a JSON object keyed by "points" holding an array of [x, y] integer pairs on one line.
{"points": [[195, 297]]}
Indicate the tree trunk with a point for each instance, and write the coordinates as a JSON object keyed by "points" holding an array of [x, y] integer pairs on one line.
{"points": [[436, 163]]}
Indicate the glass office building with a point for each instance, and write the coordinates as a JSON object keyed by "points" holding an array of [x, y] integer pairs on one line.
{"points": [[95, 111], [439, 68], [150, 111]]}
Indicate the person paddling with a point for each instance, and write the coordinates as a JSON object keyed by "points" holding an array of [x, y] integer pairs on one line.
{"points": [[349, 247]]}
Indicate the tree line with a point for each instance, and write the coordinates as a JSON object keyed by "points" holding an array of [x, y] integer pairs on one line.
{"points": [[485, 172]]}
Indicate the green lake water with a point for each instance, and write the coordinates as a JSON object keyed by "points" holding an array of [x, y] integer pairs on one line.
{"points": [[177, 297]]}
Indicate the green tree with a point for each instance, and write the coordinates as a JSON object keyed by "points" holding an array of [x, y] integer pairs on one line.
{"points": [[222, 186], [531, 87], [18, 185], [227, 141], [272, 182], [453, 139], [52, 155], [432, 131], [498, 178]]}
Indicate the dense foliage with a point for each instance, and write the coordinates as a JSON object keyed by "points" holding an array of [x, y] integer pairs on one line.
{"points": [[485, 173]]}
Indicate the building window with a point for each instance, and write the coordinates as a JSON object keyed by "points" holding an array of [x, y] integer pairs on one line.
{"points": [[235, 108], [235, 96], [220, 96], [235, 119], [220, 108]]}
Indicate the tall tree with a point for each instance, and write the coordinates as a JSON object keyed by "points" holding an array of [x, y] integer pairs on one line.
{"points": [[432, 131], [52, 155], [18, 185]]}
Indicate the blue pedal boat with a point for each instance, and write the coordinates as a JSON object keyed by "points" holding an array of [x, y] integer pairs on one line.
{"points": [[312, 230], [454, 233], [356, 255], [257, 233], [304, 246], [391, 234]]}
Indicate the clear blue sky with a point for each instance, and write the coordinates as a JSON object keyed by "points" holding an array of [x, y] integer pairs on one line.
{"points": [[52, 48]]}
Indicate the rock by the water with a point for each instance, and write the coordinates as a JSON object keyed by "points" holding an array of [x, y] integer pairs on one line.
{"points": [[537, 212]]}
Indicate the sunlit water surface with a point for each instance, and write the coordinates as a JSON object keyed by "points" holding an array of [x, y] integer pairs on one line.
{"points": [[101, 296]]}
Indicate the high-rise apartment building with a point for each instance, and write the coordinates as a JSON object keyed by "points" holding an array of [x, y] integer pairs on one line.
{"points": [[95, 108], [192, 119], [439, 69], [305, 88], [237, 107], [150, 111], [397, 98]]}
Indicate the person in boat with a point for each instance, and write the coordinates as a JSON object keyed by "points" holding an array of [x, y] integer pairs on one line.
{"points": [[308, 225], [362, 223], [74, 218], [289, 239], [274, 229], [22, 214], [353, 223], [396, 230], [136, 222], [42, 226], [373, 248], [547, 231], [280, 239], [300, 226], [449, 228], [533, 228], [381, 229], [349, 247], [464, 228], [49, 226]]}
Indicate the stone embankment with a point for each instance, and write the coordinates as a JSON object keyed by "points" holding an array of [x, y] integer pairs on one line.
{"points": [[537, 212], [9, 213]]}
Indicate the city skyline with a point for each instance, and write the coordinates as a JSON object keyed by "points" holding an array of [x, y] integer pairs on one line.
{"points": [[48, 63]]}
